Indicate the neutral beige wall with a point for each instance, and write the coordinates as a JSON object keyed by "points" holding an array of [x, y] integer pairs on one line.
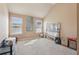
{"points": [[78, 28], [24, 22], [66, 14], [3, 20], [25, 34]]}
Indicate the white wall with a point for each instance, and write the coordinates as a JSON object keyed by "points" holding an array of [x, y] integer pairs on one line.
{"points": [[31, 9], [3, 20]]}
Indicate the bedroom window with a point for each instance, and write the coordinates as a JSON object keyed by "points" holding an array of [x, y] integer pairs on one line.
{"points": [[38, 25], [16, 25]]}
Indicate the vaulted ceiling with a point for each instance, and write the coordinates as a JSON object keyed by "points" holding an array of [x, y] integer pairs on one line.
{"points": [[31, 9]]}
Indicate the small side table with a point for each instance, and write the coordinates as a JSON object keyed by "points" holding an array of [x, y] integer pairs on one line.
{"points": [[72, 42]]}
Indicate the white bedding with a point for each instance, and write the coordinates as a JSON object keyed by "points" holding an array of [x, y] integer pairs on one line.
{"points": [[53, 34]]}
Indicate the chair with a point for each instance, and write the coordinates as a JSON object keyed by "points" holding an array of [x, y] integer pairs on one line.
{"points": [[6, 48]]}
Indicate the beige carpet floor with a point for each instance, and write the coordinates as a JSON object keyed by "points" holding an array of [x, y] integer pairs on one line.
{"points": [[42, 46]]}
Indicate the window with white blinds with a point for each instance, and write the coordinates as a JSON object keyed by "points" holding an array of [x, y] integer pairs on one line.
{"points": [[37, 25], [16, 25]]}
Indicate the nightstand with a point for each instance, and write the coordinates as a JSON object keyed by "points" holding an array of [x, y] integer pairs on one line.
{"points": [[72, 42]]}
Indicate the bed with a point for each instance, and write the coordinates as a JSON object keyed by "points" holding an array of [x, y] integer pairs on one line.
{"points": [[53, 30]]}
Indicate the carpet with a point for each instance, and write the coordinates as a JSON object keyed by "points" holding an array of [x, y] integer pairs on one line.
{"points": [[42, 46]]}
